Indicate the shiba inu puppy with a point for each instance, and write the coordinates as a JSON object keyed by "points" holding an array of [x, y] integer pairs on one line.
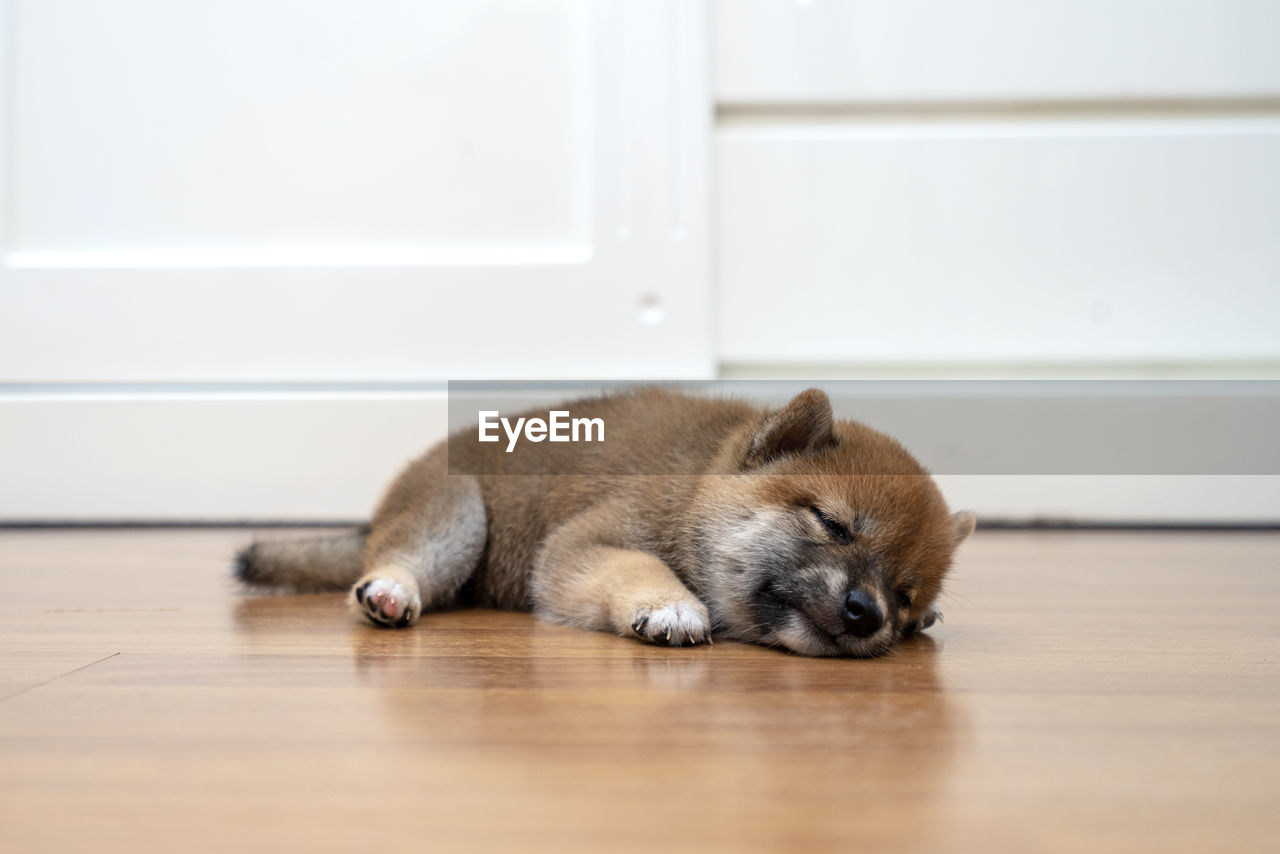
{"points": [[695, 516]]}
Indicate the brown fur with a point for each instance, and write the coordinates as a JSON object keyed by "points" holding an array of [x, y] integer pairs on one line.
{"points": [[693, 515]]}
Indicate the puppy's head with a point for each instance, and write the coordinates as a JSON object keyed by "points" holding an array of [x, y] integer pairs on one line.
{"points": [[829, 539]]}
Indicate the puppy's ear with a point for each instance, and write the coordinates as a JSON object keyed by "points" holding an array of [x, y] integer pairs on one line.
{"points": [[962, 525], [802, 425]]}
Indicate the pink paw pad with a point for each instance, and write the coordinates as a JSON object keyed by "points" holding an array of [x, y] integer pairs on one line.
{"points": [[387, 603]]}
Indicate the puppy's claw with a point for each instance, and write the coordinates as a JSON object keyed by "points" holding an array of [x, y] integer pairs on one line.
{"points": [[674, 624]]}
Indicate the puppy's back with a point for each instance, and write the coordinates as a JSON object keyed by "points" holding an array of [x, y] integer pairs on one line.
{"points": [[642, 477]]}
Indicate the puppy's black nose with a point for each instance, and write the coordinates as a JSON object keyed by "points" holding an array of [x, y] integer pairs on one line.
{"points": [[862, 617]]}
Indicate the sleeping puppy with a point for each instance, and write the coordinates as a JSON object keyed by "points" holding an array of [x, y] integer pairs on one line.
{"points": [[696, 516]]}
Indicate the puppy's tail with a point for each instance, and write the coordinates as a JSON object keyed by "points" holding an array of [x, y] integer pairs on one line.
{"points": [[320, 563]]}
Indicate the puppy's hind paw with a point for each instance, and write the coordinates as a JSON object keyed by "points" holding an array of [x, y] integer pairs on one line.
{"points": [[673, 623], [386, 602]]}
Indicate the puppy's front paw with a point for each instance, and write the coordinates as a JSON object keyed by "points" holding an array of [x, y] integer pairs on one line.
{"points": [[387, 602], [925, 622], [673, 623]]}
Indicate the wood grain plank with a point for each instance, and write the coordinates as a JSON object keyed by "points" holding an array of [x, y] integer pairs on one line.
{"points": [[1087, 691]]}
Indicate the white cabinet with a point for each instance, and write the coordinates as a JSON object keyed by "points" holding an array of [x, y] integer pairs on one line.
{"points": [[251, 191], [243, 244], [997, 184]]}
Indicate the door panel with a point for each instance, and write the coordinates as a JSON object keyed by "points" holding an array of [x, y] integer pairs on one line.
{"points": [[923, 51], [1006, 242], [299, 191]]}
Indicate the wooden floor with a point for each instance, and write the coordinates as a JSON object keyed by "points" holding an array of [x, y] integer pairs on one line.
{"points": [[1087, 692]]}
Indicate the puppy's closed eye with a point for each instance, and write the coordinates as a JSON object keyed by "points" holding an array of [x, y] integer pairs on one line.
{"points": [[834, 528]]}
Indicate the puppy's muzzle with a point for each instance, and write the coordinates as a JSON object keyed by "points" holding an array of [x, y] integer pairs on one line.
{"points": [[861, 615]]}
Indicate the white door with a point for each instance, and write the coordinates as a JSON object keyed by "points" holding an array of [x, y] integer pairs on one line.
{"points": [[389, 190], [216, 214]]}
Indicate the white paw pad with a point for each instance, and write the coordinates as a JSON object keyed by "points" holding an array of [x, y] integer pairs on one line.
{"points": [[673, 623], [387, 602]]}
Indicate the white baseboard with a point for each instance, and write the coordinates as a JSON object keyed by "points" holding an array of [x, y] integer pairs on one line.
{"points": [[1129, 499], [309, 456], [208, 456]]}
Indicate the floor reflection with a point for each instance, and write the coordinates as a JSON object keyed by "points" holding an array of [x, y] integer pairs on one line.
{"points": [[732, 727], [486, 710]]}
